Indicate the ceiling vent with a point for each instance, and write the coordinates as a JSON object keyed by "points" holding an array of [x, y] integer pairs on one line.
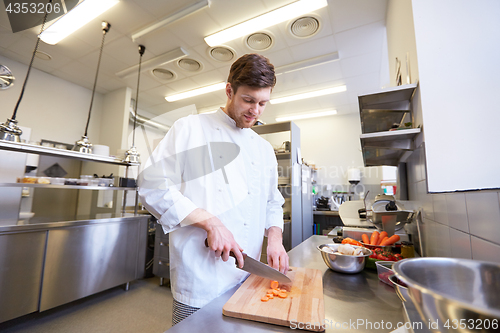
{"points": [[304, 27], [163, 74], [221, 53], [189, 65], [259, 41], [42, 55]]}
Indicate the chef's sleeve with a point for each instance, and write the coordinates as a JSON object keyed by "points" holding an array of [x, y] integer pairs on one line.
{"points": [[161, 179], [275, 201]]}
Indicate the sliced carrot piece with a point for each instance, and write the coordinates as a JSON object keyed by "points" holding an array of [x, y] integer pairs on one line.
{"points": [[270, 296], [283, 295], [275, 292], [264, 299], [269, 291], [274, 284]]}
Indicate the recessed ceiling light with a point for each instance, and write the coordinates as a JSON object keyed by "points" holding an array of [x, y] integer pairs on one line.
{"points": [[76, 18], [163, 74], [266, 20], [310, 94], [151, 64], [259, 41], [196, 92], [307, 115]]}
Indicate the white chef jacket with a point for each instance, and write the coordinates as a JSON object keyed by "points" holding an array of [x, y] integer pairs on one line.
{"points": [[248, 203]]}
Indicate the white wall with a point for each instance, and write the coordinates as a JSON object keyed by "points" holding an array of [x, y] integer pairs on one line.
{"points": [[53, 108], [458, 47]]}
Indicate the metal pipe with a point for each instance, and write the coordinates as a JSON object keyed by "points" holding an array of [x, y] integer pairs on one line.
{"points": [[148, 122]]}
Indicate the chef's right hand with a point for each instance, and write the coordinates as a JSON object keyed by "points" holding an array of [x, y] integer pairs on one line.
{"points": [[219, 238]]}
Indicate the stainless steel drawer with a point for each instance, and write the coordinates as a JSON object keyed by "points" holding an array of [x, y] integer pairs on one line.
{"points": [[161, 268], [161, 248]]}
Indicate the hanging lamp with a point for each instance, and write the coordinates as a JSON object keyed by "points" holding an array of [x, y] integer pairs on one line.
{"points": [[9, 131], [132, 155], [83, 145]]}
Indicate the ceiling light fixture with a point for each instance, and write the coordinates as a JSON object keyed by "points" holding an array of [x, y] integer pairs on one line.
{"points": [[158, 61], [307, 115], [310, 94], [196, 92], [266, 20], [308, 63], [172, 18], [76, 18], [209, 111]]}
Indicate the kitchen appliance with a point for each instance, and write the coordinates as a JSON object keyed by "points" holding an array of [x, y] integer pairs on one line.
{"points": [[448, 290], [338, 199], [343, 263], [304, 303], [323, 203], [389, 215], [253, 266]]}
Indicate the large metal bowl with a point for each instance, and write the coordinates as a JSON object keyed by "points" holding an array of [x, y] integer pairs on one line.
{"points": [[341, 262], [458, 295], [401, 290]]}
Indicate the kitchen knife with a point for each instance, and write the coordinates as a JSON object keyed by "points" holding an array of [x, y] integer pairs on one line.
{"points": [[253, 266]]}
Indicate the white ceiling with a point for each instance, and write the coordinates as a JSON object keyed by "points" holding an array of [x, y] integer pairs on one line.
{"points": [[353, 28]]}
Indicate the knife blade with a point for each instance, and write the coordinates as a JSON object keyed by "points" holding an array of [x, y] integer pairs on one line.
{"points": [[253, 266]]}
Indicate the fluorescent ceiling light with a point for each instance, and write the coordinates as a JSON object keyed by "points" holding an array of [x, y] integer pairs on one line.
{"points": [[160, 60], [171, 18], [307, 115], [210, 111], [266, 20], [316, 93], [196, 92], [76, 18], [308, 63]]}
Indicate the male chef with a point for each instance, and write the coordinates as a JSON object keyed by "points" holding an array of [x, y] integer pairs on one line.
{"points": [[212, 177]]}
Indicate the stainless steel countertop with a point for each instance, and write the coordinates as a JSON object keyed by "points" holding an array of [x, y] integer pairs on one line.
{"points": [[348, 299], [326, 212], [77, 222]]}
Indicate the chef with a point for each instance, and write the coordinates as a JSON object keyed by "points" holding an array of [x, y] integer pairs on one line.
{"points": [[212, 177]]}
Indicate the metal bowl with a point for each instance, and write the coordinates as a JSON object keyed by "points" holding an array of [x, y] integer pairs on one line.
{"points": [[401, 290], [450, 292], [341, 262]]}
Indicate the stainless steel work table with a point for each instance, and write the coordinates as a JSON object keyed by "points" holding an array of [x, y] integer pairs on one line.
{"points": [[348, 299]]}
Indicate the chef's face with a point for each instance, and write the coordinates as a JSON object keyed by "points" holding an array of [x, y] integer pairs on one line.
{"points": [[247, 104]]}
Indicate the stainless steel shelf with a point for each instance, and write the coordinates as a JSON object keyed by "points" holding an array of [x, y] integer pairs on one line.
{"points": [[283, 156], [34, 149], [76, 187], [378, 112]]}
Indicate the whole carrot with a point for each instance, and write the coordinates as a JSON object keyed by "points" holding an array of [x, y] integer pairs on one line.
{"points": [[374, 238], [382, 235], [382, 240], [391, 240], [365, 238]]}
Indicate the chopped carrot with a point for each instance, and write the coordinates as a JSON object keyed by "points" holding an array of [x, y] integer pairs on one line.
{"points": [[283, 295], [274, 284], [264, 299], [275, 292], [269, 291], [270, 296]]}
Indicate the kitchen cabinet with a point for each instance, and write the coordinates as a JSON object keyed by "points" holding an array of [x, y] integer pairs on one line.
{"points": [[161, 263], [297, 210], [47, 262], [379, 111]]}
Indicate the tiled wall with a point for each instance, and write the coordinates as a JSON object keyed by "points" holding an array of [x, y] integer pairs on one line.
{"points": [[458, 225]]}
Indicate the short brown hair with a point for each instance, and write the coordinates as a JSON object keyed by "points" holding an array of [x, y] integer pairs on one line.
{"points": [[252, 70]]}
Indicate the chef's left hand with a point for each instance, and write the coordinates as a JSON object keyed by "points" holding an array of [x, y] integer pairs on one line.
{"points": [[277, 257]]}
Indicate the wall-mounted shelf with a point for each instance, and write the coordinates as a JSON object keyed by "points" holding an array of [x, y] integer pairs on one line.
{"points": [[50, 151], [77, 187], [379, 112]]}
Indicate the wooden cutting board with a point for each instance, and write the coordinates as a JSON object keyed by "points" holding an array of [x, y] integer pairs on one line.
{"points": [[303, 305]]}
